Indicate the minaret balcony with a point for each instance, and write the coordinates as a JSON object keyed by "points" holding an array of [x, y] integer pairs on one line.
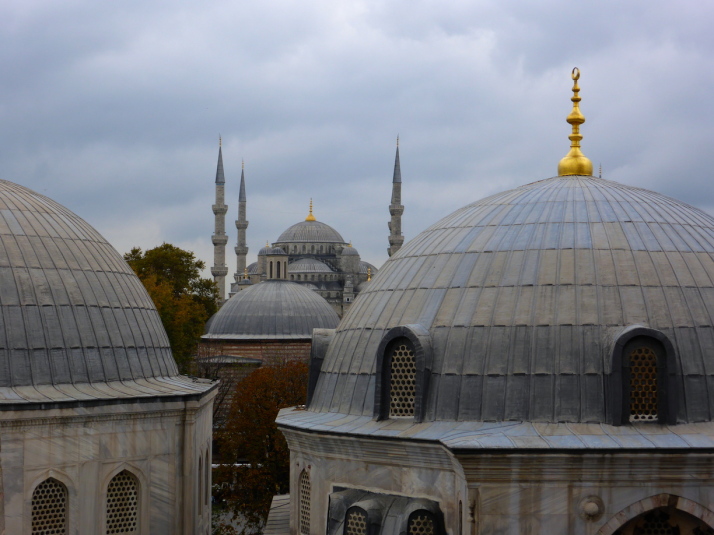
{"points": [[219, 209], [219, 239], [241, 225], [396, 209], [219, 271]]}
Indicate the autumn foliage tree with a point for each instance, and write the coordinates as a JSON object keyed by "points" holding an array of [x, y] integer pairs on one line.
{"points": [[255, 454], [185, 301]]}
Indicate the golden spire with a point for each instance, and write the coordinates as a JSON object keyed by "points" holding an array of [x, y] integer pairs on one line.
{"points": [[575, 162], [310, 217], [245, 273], [369, 274]]}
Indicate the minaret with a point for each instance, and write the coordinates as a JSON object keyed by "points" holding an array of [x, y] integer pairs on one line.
{"points": [[396, 209], [241, 224], [219, 270]]}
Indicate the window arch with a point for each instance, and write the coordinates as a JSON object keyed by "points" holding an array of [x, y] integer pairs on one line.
{"points": [[49, 508], [404, 362], [642, 381], [422, 522], [271, 270], [122, 504], [304, 491], [356, 522], [279, 266]]}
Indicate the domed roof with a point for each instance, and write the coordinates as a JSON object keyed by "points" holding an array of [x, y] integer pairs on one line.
{"points": [[311, 232], [366, 267], [272, 309], [253, 268], [308, 265], [523, 298], [78, 322], [350, 251], [265, 250], [276, 251]]}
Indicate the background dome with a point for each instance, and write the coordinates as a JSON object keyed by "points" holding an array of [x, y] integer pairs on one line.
{"points": [[312, 232], [272, 309], [78, 323], [523, 295], [308, 265]]}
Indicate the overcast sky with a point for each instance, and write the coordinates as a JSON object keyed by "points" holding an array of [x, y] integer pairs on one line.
{"points": [[114, 108]]}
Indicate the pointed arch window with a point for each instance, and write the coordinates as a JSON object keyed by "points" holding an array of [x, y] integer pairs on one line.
{"points": [[122, 504], [304, 491], [49, 508]]}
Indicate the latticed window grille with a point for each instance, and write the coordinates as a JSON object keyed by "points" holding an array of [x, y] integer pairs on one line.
{"points": [[421, 524], [123, 504], [402, 378], [49, 508], [356, 522], [304, 490], [643, 385]]}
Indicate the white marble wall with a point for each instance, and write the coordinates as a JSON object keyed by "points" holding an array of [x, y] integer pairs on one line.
{"points": [[504, 494], [159, 442]]}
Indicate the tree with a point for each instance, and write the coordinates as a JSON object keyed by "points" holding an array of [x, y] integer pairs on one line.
{"points": [[255, 453], [185, 301]]}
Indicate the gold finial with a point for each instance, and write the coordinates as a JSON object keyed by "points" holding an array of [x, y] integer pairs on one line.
{"points": [[349, 244], [245, 273], [369, 274], [310, 217], [575, 162], [267, 243]]}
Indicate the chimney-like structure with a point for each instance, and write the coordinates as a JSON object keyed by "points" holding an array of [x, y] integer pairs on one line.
{"points": [[396, 209], [219, 270], [241, 224]]}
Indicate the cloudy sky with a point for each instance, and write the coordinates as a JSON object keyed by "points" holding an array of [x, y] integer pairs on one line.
{"points": [[114, 108]]}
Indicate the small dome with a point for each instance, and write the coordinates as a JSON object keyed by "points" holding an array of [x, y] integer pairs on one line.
{"points": [[253, 269], [276, 251], [310, 232], [265, 250], [272, 309], [366, 267], [74, 311], [308, 265], [244, 282], [350, 251], [525, 297]]}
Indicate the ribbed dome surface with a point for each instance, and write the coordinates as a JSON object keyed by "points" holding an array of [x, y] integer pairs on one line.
{"points": [[523, 294], [308, 265], [311, 232], [272, 309], [72, 312]]}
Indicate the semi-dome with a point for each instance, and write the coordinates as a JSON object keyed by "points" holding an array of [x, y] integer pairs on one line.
{"points": [[78, 321], [276, 309], [310, 232], [308, 265], [519, 304]]}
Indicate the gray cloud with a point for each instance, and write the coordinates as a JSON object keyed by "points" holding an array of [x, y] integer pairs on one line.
{"points": [[114, 109]]}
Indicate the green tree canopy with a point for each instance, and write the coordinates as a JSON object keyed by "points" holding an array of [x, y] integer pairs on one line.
{"points": [[185, 301]]}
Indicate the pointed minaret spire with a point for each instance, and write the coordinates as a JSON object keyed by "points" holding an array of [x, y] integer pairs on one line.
{"points": [[396, 209], [241, 224], [219, 270]]}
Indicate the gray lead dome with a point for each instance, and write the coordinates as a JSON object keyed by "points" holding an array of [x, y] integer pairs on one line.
{"points": [[521, 299], [75, 321]]}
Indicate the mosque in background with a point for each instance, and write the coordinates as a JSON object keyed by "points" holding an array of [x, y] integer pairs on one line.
{"points": [[540, 361], [98, 431], [310, 253]]}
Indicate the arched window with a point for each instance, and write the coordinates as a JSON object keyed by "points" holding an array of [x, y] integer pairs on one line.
{"points": [[642, 379], [303, 248], [304, 505], [271, 270], [312, 248], [207, 464], [321, 249], [123, 504], [49, 508], [422, 523], [279, 266], [356, 522], [402, 378]]}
